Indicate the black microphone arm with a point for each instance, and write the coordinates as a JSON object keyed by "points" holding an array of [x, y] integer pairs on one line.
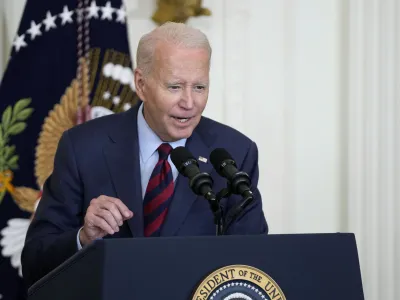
{"points": [[239, 183], [200, 182]]}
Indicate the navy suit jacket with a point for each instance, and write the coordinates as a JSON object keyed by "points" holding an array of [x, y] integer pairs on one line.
{"points": [[101, 157]]}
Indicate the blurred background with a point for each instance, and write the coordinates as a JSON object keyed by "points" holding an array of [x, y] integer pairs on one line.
{"points": [[316, 84]]}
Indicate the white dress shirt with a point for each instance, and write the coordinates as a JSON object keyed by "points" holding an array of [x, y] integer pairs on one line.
{"points": [[148, 144]]}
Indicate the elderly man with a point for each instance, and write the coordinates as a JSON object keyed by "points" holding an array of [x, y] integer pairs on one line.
{"points": [[113, 176]]}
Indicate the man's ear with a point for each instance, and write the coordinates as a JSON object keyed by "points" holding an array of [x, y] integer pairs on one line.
{"points": [[139, 84]]}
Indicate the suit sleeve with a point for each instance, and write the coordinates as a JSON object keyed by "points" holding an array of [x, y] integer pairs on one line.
{"points": [[252, 220], [52, 235]]}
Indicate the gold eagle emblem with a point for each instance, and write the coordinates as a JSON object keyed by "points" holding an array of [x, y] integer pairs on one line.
{"points": [[178, 11]]}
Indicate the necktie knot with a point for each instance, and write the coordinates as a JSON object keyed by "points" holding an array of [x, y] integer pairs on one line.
{"points": [[164, 150]]}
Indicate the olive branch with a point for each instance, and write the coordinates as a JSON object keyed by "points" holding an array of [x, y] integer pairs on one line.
{"points": [[12, 123]]}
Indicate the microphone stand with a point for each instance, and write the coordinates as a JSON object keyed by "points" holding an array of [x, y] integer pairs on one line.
{"points": [[235, 211], [213, 200], [222, 224], [219, 221]]}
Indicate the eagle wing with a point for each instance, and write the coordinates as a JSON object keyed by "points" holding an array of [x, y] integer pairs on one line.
{"points": [[61, 118]]}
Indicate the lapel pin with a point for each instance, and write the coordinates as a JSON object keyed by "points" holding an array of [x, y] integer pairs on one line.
{"points": [[202, 159]]}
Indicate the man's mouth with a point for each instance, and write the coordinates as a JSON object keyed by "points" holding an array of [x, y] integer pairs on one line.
{"points": [[182, 120]]}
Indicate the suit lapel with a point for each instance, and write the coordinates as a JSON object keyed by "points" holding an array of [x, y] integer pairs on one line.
{"points": [[184, 197], [122, 156]]}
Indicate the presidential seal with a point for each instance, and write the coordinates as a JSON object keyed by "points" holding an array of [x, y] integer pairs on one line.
{"points": [[238, 282]]}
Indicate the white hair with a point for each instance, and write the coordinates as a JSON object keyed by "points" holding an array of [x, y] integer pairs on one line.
{"points": [[178, 34]]}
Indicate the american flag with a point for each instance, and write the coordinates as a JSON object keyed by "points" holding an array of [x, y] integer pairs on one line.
{"points": [[69, 62]]}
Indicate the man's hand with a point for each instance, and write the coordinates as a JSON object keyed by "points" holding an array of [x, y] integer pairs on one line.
{"points": [[103, 216]]}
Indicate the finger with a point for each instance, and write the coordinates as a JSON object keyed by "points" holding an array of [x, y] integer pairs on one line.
{"points": [[95, 221], [125, 211], [113, 209], [108, 217]]}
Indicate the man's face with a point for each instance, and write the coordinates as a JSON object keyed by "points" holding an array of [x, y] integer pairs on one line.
{"points": [[175, 92]]}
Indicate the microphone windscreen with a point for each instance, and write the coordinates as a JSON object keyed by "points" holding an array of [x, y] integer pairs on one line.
{"points": [[217, 156], [179, 156]]}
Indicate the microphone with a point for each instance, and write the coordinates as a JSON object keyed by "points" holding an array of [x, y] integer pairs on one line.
{"points": [[238, 183], [225, 166], [200, 182]]}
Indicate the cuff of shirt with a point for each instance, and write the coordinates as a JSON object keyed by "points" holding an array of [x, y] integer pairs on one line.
{"points": [[78, 242]]}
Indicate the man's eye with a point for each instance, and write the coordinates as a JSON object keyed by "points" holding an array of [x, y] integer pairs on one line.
{"points": [[200, 87], [174, 87]]}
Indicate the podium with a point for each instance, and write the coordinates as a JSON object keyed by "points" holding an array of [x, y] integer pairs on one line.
{"points": [[276, 267]]}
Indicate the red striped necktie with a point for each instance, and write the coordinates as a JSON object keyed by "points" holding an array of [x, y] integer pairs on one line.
{"points": [[158, 193]]}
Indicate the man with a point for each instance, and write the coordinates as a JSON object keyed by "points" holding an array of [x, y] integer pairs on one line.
{"points": [[113, 176]]}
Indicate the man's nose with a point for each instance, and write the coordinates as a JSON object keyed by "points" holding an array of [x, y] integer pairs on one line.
{"points": [[187, 99]]}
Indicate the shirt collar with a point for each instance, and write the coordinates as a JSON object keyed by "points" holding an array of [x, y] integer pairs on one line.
{"points": [[148, 140]]}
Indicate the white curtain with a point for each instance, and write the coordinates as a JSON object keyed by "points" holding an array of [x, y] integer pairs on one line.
{"points": [[373, 142], [10, 15], [3, 44]]}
